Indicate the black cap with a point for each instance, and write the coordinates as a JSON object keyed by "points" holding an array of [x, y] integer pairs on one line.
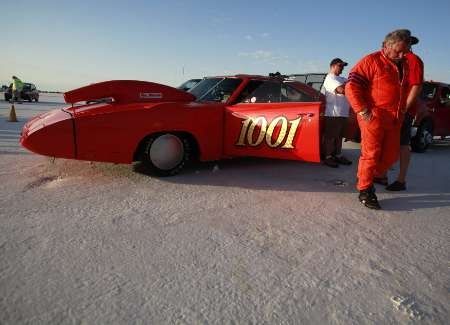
{"points": [[414, 40], [338, 61]]}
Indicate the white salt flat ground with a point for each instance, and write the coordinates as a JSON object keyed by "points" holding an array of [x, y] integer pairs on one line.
{"points": [[246, 241]]}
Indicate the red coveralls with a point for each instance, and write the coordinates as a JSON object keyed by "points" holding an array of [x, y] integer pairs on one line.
{"points": [[374, 84], [415, 77]]}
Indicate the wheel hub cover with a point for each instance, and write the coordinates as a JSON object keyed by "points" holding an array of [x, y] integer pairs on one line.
{"points": [[166, 152], [428, 137]]}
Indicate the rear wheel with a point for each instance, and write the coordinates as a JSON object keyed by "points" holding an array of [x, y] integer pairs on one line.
{"points": [[423, 138], [166, 154]]}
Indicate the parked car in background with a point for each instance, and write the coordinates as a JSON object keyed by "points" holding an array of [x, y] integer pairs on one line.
{"points": [[187, 85], [29, 92], [434, 121]]}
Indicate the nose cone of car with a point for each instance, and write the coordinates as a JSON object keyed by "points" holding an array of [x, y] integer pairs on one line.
{"points": [[50, 134]]}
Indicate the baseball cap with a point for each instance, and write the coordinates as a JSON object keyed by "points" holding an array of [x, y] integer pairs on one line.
{"points": [[338, 61], [402, 34], [414, 40]]}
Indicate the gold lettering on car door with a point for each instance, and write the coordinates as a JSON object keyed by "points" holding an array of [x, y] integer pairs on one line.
{"points": [[266, 130]]}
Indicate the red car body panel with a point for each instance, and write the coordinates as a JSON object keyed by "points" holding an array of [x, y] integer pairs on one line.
{"points": [[439, 108], [50, 134], [128, 91], [104, 134], [113, 132], [264, 130]]}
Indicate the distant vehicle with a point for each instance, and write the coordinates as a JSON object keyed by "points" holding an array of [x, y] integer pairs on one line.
{"points": [[189, 84], [29, 92], [435, 121]]}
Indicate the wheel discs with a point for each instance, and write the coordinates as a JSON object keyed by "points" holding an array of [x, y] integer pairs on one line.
{"points": [[166, 152]]}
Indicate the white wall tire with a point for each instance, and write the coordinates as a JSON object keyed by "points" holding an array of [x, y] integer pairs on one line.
{"points": [[166, 154]]}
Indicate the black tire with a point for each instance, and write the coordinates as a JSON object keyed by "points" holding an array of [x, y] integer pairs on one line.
{"points": [[36, 99], [423, 138], [166, 154]]}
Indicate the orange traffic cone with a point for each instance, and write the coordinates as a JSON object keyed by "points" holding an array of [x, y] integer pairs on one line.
{"points": [[12, 114]]}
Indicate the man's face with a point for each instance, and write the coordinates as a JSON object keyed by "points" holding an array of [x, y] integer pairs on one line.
{"points": [[337, 68], [396, 51]]}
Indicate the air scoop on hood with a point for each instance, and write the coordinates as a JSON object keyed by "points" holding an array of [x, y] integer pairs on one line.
{"points": [[128, 91]]}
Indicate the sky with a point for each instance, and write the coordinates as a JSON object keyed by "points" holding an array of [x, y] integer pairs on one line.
{"points": [[62, 45]]}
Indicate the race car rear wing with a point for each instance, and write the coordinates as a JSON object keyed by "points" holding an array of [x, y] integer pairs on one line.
{"points": [[128, 91]]}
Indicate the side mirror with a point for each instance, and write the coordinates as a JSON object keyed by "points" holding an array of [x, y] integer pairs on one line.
{"points": [[445, 101]]}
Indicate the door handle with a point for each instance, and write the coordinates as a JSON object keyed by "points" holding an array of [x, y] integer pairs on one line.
{"points": [[309, 115]]}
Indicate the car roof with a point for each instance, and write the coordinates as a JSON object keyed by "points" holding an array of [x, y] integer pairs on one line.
{"points": [[442, 84], [249, 76]]}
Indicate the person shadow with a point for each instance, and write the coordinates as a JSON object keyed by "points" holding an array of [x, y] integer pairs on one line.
{"points": [[415, 202]]}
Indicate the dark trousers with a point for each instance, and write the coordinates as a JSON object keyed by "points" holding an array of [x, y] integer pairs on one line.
{"points": [[15, 96], [332, 136]]}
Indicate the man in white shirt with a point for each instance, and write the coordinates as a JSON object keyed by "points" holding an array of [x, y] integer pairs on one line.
{"points": [[336, 115]]}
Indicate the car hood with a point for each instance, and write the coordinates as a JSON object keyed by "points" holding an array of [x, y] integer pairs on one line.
{"points": [[128, 91]]}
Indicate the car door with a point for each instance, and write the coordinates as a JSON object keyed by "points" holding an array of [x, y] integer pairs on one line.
{"points": [[273, 119], [441, 112]]}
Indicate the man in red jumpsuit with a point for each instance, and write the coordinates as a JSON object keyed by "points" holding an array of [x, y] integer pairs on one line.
{"points": [[415, 80], [376, 90]]}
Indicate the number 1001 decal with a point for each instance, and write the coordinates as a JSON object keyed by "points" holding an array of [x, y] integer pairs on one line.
{"points": [[266, 131]]}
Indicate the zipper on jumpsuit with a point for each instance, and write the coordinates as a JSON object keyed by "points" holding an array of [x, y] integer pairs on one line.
{"points": [[400, 82]]}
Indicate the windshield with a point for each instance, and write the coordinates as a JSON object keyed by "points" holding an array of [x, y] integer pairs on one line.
{"points": [[428, 91], [215, 89], [189, 84], [314, 80]]}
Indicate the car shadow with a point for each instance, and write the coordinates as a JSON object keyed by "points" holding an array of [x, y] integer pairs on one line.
{"points": [[268, 174]]}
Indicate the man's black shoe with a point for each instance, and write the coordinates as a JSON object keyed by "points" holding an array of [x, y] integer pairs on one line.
{"points": [[369, 199], [330, 162], [342, 160], [396, 186]]}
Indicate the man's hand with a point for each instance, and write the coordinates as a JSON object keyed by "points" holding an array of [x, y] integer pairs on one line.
{"points": [[365, 114], [340, 90]]}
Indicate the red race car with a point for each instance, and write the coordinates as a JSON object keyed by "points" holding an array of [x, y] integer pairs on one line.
{"points": [[221, 117]]}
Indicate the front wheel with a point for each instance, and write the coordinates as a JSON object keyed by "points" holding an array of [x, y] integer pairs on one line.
{"points": [[423, 138], [166, 154]]}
